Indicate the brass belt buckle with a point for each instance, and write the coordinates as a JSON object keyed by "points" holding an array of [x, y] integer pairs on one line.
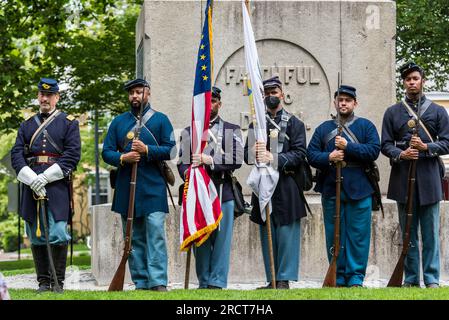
{"points": [[42, 158]]}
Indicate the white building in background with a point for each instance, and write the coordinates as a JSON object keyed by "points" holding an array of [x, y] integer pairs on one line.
{"points": [[441, 98]]}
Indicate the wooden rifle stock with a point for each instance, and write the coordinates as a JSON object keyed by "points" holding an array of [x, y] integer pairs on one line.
{"points": [[330, 280], [398, 273], [331, 276], [119, 276]]}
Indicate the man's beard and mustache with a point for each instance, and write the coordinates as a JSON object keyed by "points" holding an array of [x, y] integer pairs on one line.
{"points": [[135, 106], [45, 107], [213, 114], [345, 114]]}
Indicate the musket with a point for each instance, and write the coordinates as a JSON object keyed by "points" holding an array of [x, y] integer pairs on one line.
{"points": [[398, 273], [331, 276], [119, 276]]}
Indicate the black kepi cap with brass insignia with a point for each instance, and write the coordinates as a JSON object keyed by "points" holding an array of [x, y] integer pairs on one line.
{"points": [[48, 85]]}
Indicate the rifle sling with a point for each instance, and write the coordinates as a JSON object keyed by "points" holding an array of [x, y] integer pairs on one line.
{"points": [[412, 114], [145, 119]]}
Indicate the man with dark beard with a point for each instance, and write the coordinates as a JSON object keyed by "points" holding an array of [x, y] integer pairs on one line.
{"points": [[357, 146], [400, 145], [148, 259], [285, 149]]}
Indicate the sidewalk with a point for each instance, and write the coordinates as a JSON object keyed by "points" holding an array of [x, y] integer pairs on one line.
{"points": [[84, 280], [11, 256]]}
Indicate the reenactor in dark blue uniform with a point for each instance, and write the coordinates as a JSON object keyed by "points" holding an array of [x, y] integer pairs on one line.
{"points": [[222, 155], [357, 146], [148, 259], [399, 145], [287, 204], [46, 152]]}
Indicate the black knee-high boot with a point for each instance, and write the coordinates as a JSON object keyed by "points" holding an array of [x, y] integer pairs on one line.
{"points": [[42, 265], [60, 260]]}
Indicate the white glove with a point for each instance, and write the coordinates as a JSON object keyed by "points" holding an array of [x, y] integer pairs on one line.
{"points": [[26, 175], [40, 192], [53, 173]]}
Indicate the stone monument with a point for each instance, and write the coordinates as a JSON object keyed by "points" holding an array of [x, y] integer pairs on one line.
{"points": [[306, 43]]}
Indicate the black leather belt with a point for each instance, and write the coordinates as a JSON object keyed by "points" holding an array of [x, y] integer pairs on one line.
{"points": [[41, 160], [353, 165]]}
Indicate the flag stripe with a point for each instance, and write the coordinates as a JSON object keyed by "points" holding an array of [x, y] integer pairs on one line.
{"points": [[201, 210]]}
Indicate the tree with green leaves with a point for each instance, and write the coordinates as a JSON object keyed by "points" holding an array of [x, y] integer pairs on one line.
{"points": [[422, 36], [86, 44]]}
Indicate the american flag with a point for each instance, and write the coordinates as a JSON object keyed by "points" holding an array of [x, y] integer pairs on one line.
{"points": [[201, 210]]}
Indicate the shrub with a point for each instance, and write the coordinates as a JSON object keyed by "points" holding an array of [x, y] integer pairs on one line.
{"points": [[9, 233]]}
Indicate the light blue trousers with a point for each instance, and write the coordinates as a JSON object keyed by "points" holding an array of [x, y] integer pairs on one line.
{"points": [[212, 257], [428, 218], [57, 235], [286, 244], [355, 233], [148, 259]]}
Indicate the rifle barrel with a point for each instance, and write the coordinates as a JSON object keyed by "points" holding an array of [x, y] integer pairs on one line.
{"points": [[119, 276], [330, 279], [398, 273]]}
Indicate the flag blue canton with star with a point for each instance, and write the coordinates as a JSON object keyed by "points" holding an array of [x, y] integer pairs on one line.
{"points": [[203, 73]]}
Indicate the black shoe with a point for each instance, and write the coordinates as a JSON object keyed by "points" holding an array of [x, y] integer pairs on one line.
{"points": [[214, 287], [410, 285], [282, 284], [43, 288], [59, 253], [42, 266], [268, 286], [356, 285], [159, 288]]}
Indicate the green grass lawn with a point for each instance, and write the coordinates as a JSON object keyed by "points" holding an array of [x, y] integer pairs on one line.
{"points": [[293, 294], [76, 247], [10, 268]]}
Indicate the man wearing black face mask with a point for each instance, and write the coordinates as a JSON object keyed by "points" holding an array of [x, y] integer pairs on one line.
{"points": [[285, 150], [148, 259]]}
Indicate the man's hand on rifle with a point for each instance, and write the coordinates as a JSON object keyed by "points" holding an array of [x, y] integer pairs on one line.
{"points": [[262, 154], [340, 142], [139, 147], [336, 155], [416, 143], [409, 154], [131, 157]]}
